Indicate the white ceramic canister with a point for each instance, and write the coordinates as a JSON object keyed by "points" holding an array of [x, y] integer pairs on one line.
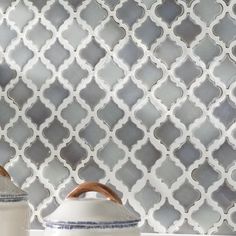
{"points": [[14, 209], [86, 217]]}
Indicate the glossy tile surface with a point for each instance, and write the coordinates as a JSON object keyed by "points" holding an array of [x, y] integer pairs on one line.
{"points": [[138, 94]]}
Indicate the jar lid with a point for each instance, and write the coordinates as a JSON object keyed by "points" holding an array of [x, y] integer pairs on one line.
{"points": [[9, 192], [75, 213]]}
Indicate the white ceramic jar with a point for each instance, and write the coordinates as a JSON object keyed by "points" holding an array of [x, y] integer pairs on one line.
{"points": [[14, 209], [87, 217]]}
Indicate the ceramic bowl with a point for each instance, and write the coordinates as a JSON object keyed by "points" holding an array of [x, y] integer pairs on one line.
{"points": [[86, 217]]}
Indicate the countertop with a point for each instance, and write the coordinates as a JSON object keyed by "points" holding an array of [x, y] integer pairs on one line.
{"points": [[40, 233]]}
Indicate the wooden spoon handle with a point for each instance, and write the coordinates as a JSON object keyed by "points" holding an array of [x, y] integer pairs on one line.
{"points": [[3, 172], [95, 187]]}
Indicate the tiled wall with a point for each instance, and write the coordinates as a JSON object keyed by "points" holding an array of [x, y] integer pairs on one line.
{"points": [[139, 94]]}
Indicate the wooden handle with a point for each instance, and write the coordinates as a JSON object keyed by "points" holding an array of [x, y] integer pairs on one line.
{"points": [[3, 172], [95, 187]]}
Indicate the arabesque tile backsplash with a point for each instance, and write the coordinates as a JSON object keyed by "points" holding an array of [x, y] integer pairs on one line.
{"points": [[138, 94]]}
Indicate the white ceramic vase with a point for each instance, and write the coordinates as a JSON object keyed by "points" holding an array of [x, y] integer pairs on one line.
{"points": [[14, 209]]}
